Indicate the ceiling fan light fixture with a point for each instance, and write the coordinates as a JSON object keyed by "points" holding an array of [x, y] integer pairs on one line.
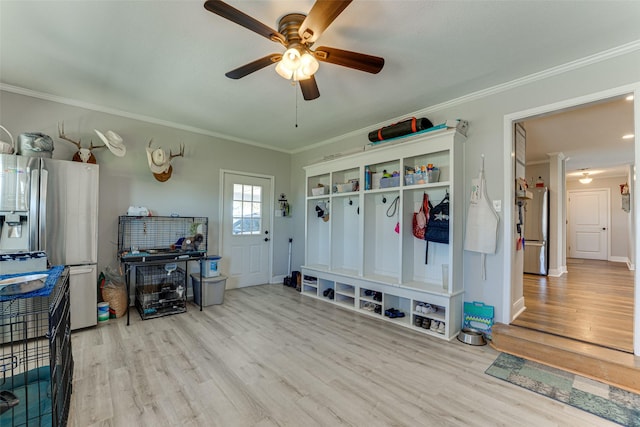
{"points": [[284, 72], [297, 67], [291, 59], [308, 65], [586, 179]]}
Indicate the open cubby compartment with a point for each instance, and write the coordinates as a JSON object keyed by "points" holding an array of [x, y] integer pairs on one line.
{"points": [[346, 240], [318, 237], [345, 289], [323, 285], [439, 160], [310, 285], [381, 241], [377, 169], [316, 181], [341, 180], [371, 295], [421, 269], [371, 306], [398, 303], [345, 294]]}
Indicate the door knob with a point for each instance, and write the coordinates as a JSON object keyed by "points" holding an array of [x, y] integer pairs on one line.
{"points": [[266, 239], [604, 228]]}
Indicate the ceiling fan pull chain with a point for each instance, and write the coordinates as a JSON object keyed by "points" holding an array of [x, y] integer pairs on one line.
{"points": [[296, 91]]}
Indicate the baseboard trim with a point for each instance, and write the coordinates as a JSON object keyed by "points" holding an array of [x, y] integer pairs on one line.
{"points": [[517, 308]]}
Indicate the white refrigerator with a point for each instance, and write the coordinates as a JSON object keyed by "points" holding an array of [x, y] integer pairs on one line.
{"points": [[53, 206]]}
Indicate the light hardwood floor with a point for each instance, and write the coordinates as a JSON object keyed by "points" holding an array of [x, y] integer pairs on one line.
{"points": [[593, 303], [270, 357]]}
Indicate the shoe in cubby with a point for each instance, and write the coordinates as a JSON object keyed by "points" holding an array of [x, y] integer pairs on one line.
{"points": [[434, 326], [426, 323]]}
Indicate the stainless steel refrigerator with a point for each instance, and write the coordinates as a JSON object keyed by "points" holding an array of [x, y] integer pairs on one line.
{"points": [[536, 232], [52, 206]]}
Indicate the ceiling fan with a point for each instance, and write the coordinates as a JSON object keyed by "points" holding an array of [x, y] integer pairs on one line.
{"points": [[297, 33]]}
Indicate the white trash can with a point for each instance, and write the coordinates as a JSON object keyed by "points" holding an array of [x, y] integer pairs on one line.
{"points": [[212, 289]]}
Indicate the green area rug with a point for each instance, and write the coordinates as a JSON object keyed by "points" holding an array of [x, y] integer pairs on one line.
{"points": [[611, 403]]}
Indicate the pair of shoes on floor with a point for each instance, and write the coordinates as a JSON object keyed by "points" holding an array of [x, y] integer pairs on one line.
{"points": [[438, 327], [392, 313], [329, 293]]}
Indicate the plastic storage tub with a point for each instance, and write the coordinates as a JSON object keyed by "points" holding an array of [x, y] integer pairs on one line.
{"points": [[212, 289]]}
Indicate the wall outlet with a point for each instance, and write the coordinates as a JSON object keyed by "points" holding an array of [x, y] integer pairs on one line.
{"points": [[497, 205]]}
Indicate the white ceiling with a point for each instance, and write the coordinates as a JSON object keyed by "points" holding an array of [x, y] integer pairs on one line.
{"points": [[166, 59], [589, 136]]}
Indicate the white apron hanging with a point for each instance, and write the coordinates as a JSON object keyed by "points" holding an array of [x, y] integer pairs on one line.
{"points": [[482, 221]]}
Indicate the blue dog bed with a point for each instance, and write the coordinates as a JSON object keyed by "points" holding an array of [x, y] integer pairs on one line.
{"points": [[34, 394]]}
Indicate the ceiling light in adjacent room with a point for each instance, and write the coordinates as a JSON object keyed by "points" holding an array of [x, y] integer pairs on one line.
{"points": [[629, 98], [585, 178], [628, 136]]}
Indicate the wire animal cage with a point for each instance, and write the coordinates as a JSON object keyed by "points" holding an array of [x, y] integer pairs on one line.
{"points": [[36, 364], [156, 234], [160, 290]]}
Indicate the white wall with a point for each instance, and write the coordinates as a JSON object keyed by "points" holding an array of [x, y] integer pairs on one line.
{"points": [[193, 189], [486, 113]]}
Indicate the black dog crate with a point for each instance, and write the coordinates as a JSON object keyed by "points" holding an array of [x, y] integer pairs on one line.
{"points": [[161, 290], [36, 364]]}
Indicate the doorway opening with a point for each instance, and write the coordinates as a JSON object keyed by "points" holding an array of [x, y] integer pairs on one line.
{"points": [[588, 293]]}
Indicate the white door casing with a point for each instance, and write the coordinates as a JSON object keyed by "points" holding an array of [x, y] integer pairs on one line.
{"points": [[588, 224], [247, 202]]}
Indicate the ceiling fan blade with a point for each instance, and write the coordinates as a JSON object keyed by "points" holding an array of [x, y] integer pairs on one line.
{"points": [[309, 88], [321, 15], [359, 61], [220, 8], [256, 65]]}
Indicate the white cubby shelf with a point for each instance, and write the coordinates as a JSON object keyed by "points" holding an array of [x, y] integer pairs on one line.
{"points": [[366, 248]]}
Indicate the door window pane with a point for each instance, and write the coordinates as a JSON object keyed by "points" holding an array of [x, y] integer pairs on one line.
{"points": [[247, 209]]}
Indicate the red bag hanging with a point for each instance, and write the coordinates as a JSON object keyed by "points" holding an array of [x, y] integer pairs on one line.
{"points": [[421, 218]]}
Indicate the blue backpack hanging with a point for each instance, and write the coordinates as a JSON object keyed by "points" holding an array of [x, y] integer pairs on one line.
{"points": [[438, 225]]}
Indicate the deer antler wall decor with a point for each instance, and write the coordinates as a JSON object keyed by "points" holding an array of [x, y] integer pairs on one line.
{"points": [[160, 163], [111, 140]]}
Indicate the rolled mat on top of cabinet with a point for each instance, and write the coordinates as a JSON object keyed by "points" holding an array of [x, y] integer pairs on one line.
{"points": [[403, 127]]}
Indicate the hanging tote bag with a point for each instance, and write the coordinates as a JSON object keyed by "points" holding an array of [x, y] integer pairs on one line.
{"points": [[421, 218], [438, 225]]}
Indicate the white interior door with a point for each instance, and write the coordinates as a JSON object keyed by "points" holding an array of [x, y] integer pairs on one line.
{"points": [[246, 229], [589, 224]]}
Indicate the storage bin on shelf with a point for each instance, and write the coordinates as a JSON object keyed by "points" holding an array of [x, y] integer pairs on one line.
{"points": [[345, 188], [393, 181], [319, 191]]}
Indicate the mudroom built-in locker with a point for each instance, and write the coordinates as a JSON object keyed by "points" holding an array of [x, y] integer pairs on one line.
{"points": [[361, 252]]}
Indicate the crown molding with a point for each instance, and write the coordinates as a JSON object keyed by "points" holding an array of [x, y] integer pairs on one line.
{"points": [[126, 114], [493, 90]]}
